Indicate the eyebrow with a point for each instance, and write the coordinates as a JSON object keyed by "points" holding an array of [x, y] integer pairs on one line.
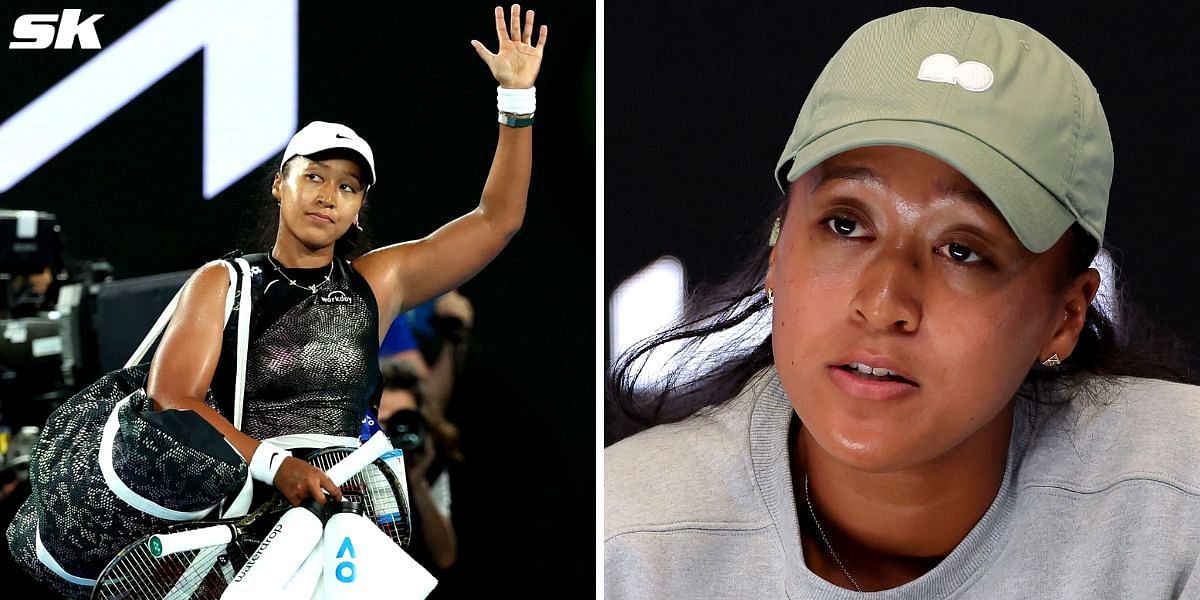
{"points": [[859, 174], [866, 176]]}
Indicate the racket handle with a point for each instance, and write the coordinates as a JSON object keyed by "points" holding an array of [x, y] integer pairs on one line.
{"points": [[358, 460], [170, 543]]}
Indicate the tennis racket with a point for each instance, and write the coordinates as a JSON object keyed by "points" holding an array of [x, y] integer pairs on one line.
{"points": [[197, 560]]}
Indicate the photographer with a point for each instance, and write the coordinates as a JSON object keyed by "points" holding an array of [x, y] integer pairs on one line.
{"points": [[430, 447], [447, 322]]}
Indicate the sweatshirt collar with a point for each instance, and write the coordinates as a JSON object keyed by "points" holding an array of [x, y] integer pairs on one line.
{"points": [[770, 417]]}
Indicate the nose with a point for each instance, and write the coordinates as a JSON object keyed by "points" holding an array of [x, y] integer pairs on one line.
{"points": [[887, 299], [326, 193]]}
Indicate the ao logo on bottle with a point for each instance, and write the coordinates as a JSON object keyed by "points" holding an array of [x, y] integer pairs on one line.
{"points": [[345, 569], [36, 32]]}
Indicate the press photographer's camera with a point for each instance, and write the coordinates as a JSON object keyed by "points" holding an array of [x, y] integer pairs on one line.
{"points": [[408, 431]]}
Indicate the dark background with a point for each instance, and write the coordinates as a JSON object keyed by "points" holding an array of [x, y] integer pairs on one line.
{"points": [[404, 76], [701, 98]]}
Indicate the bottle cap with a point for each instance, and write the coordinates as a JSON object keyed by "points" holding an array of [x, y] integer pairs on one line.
{"points": [[315, 508], [334, 507]]}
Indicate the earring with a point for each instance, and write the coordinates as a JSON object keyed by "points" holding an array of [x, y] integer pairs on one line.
{"points": [[1053, 361], [357, 226], [770, 296]]}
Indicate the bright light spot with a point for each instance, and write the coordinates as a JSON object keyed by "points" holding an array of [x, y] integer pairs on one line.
{"points": [[1106, 295], [650, 302], [645, 304]]}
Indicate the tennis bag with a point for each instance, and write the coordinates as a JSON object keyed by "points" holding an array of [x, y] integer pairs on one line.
{"points": [[108, 469]]}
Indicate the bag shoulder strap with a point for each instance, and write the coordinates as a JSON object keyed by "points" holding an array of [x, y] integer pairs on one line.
{"points": [[236, 300], [243, 344]]}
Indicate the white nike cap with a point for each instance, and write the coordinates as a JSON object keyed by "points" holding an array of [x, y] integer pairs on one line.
{"points": [[319, 136]]}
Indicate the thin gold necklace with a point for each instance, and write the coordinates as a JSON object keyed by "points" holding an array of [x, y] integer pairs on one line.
{"points": [[312, 289]]}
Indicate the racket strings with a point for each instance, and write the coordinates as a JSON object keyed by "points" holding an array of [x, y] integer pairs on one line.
{"points": [[193, 574], [379, 497]]}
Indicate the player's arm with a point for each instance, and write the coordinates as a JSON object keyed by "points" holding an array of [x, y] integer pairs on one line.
{"points": [[407, 274], [182, 371]]}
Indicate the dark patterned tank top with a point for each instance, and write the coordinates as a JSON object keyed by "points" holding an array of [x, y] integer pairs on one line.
{"points": [[313, 364]]}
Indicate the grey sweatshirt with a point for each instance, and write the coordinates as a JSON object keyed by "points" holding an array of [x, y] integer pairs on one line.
{"points": [[1096, 502]]}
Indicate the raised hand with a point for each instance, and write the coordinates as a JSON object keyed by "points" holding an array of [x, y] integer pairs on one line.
{"points": [[515, 65]]}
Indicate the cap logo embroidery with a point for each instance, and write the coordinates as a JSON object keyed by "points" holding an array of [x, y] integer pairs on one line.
{"points": [[942, 68]]}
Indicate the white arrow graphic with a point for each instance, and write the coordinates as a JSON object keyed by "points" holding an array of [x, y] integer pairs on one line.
{"points": [[250, 87]]}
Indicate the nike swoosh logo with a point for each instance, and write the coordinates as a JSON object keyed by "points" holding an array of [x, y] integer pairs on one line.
{"points": [[272, 461], [342, 137]]}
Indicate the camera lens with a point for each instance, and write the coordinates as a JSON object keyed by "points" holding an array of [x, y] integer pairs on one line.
{"points": [[408, 430]]}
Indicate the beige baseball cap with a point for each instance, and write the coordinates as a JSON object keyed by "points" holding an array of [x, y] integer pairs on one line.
{"points": [[991, 97]]}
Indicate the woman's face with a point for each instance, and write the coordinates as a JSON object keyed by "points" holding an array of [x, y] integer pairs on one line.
{"points": [[890, 258], [318, 200]]}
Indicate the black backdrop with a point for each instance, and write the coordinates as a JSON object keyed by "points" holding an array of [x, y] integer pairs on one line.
{"points": [[701, 96], [405, 77]]}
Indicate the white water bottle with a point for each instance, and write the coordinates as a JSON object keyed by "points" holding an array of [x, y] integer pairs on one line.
{"points": [[363, 562], [279, 555], [306, 582]]}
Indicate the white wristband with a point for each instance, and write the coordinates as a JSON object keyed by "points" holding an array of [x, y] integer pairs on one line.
{"points": [[517, 102], [266, 461]]}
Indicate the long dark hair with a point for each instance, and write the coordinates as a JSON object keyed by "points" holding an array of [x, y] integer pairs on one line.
{"points": [[1122, 342], [265, 215]]}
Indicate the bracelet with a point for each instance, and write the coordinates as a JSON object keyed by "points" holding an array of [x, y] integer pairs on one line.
{"points": [[516, 101], [511, 120], [265, 462]]}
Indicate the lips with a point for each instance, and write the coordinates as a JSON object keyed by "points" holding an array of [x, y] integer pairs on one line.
{"points": [[320, 217], [874, 367], [872, 377], [874, 373]]}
